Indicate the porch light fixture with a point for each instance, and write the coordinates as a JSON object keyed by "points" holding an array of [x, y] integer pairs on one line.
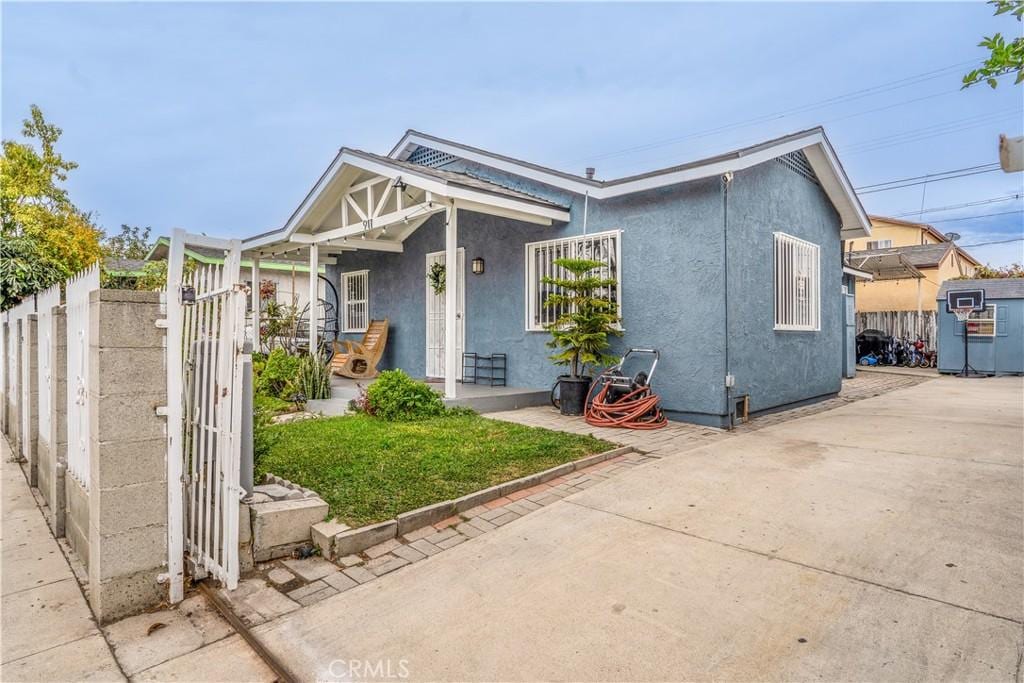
{"points": [[478, 266]]}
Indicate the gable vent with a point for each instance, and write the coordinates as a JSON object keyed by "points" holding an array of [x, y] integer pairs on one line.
{"points": [[426, 156], [797, 162]]}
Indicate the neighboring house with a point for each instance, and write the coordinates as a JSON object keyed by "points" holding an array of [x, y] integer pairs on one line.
{"points": [[918, 245], [124, 272], [289, 278], [730, 266], [996, 337]]}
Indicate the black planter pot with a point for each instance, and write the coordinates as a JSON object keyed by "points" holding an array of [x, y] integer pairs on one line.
{"points": [[573, 394]]}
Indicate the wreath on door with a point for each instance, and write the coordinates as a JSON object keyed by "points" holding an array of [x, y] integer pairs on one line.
{"points": [[436, 277]]}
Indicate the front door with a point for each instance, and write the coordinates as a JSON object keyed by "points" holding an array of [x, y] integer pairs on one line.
{"points": [[435, 316]]}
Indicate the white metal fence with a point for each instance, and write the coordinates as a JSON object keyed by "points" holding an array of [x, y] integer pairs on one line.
{"points": [[205, 345], [78, 289], [45, 301]]}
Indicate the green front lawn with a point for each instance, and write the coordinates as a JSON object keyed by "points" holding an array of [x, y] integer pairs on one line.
{"points": [[370, 470]]}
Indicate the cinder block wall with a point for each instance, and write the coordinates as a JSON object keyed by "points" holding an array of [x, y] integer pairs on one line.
{"points": [[128, 489], [30, 390], [14, 397], [52, 446]]}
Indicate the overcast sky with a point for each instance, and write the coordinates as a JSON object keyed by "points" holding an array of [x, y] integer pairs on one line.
{"points": [[220, 117]]}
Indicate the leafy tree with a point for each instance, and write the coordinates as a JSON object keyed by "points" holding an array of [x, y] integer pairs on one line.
{"points": [[1004, 57], [586, 320], [23, 270], [131, 243], [52, 238], [995, 272]]}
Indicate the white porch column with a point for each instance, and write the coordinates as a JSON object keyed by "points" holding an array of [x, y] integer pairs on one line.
{"points": [[314, 291], [451, 279], [255, 294]]}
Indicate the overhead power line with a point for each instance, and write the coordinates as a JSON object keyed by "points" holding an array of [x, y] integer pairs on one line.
{"points": [[951, 207], [983, 215], [827, 102], [992, 166], [939, 130], [931, 180], [985, 244]]}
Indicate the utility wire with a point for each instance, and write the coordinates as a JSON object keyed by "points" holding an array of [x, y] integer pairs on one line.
{"points": [[931, 180], [992, 166], [985, 244], [983, 215], [837, 99], [980, 202]]}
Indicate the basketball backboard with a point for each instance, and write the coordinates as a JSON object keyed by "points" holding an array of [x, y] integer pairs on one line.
{"points": [[965, 298]]}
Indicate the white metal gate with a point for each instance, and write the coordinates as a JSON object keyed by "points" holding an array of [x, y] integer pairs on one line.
{"points": [[435, 317], [205, 351], [79, 441]]}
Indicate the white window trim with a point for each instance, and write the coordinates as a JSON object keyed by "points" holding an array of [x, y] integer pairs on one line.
{"points": [[994, 319], [531, 280], [345, 276], [878, 244], [815, 286]]}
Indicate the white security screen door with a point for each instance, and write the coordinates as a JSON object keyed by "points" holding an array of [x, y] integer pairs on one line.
{"points": [[435, 316]]}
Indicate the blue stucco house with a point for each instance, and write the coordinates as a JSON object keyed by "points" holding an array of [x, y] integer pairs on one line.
{"points": [[731, 266], [996, 341]]}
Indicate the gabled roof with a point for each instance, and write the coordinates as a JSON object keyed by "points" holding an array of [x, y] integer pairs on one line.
{"points": [[813, 142], [457, 179], [124, 267], [920, 255], [457, 186], [995, 288], [911, 224]]}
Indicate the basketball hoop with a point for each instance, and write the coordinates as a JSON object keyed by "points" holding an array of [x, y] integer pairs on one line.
{"points": [[962, 303], [963, 313]]}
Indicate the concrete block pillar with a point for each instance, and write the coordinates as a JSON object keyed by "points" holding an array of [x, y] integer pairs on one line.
{"points": [[30, 394], [53, 446], [128, 487]]}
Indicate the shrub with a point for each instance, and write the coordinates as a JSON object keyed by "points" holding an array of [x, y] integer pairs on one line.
{"points": [[313, 379], [276, 377], [264, 437], [396, 396]]}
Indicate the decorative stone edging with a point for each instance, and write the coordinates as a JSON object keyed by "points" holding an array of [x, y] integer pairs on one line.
{"points": [[351, 541]]}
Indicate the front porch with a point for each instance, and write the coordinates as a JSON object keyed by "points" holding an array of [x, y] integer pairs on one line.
{"points": [[362, 222], [479, 397]]}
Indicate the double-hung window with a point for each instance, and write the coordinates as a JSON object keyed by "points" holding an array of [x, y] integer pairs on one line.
{"points": [[797, 284], [605, 247], [355, 288], [880, 244], [983, 323]]}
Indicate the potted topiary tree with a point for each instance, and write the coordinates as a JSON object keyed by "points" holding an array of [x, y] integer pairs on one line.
{"points": [[581, 331]]}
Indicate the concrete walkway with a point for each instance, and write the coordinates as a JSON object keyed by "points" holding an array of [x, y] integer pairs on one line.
{"points": [[49, 633], [880, 540]]}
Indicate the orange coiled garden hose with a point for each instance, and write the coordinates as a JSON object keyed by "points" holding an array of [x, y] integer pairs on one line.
{"points": [[638, 409]]}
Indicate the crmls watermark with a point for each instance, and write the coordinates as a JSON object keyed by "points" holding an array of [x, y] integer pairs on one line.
{"points": [[367, 670]]}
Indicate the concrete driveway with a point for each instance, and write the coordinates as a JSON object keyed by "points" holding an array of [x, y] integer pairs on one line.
{"points": [[878, 541]]}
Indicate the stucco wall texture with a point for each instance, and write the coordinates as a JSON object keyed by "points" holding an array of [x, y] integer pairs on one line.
{"points": [[673, 276]]}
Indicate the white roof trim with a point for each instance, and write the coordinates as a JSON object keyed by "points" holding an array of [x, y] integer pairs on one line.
{"points": [[814, 143], [468, 197], [859, 274]]}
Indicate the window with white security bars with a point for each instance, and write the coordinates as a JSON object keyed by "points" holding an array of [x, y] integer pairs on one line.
{"points": [[797, 284], [355, 288], [605, 247]]}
